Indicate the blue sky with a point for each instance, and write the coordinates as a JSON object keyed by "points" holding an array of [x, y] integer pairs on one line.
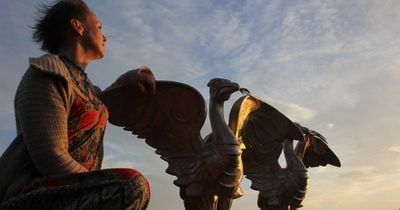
{"points": [[333, 66]]}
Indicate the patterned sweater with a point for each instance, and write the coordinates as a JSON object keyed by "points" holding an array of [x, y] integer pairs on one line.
{"points": [[43, 103]]}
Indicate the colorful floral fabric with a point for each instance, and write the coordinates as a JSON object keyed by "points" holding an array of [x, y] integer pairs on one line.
{"points": [[86, 124]]}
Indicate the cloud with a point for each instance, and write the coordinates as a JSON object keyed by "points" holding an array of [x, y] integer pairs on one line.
{"points": [[222, 33], [300, 113], [349, 185], [154, 34], [294, 111], [330, 64], [395, 148]]}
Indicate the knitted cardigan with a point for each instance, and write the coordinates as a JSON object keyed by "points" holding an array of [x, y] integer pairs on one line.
{"points": [[42, 103]]}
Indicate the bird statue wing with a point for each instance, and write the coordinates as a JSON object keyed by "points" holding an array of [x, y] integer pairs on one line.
{"points": [[265, 132], [314, 150], [170, 120]]}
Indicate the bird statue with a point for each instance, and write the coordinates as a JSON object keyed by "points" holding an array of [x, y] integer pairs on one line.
{"points": [[279, 188], [209, 170]]}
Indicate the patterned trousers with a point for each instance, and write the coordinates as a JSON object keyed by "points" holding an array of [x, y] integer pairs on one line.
{"points": [[109, 189]]}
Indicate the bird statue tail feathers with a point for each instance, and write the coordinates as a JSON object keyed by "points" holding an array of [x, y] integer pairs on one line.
{"points": [[314, 150]]}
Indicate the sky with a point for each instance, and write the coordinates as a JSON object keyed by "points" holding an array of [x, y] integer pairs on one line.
{"points": [[333, 66]]}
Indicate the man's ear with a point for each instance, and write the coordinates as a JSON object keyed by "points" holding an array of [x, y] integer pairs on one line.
{"points": [[77, 26]]}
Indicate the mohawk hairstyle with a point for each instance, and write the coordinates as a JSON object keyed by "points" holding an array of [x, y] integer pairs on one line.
{"points": [[51, 26]]}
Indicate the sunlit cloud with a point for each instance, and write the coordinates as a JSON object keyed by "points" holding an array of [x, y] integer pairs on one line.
{"points": [[394, 148], [332, 65], [300, 113]]}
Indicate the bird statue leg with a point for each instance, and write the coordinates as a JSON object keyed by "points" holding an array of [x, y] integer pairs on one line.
{"points": [[293, 187]]}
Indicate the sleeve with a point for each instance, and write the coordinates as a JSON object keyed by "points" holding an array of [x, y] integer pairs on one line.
{"points": [[42, 107]]}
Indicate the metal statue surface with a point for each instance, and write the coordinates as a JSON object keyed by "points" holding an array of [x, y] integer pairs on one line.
{"points": [[209, 170], [279, 188]]}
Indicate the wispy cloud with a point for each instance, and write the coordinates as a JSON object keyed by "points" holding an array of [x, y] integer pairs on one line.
{"points": [[348, 187], [332, 65]]}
